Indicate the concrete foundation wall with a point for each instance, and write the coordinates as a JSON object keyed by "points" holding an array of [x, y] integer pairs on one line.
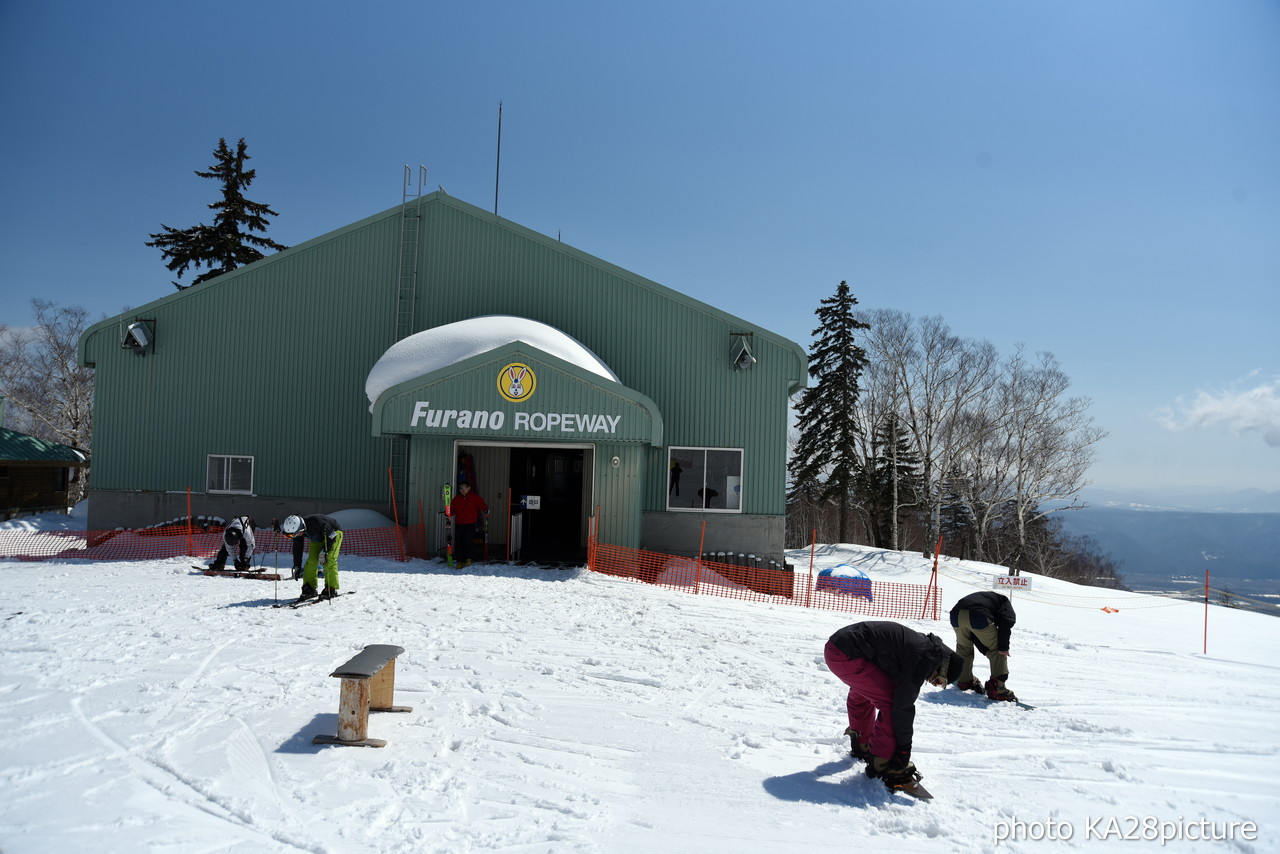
{"points": [[111, 509], [680, 533]]}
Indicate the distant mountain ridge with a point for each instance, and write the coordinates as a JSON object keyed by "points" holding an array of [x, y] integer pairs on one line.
{"points": [[1165, 549], [1195, 499]]}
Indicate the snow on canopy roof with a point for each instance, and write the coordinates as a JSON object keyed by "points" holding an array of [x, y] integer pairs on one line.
{"points": [[433, 349]]}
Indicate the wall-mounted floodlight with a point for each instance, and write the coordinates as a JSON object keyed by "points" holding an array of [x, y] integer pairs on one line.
{"points": [[137, 337], [740, 350]]}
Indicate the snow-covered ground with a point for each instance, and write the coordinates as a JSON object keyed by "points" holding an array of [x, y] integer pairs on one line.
{"points": [[149, 708]]}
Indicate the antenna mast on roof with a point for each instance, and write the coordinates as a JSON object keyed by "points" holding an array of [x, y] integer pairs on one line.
{"points": [[497, 171]]}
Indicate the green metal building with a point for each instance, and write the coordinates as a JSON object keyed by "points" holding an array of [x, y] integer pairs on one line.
{"points": [[249, 393]]}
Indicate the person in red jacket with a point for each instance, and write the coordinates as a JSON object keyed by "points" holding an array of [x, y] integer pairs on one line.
{"points": [[465, 508]]}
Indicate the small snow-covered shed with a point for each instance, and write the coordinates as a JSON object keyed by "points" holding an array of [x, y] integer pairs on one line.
{"points": [[35, 474]]}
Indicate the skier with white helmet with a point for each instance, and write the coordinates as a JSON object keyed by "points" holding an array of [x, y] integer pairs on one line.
{"points": [[323, 534]]}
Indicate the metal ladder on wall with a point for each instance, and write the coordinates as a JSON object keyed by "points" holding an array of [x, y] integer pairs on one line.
{"points": [[410, 232], [406, 303]]}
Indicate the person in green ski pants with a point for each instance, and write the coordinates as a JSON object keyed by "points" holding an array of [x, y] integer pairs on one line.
{"points": [[322, 533]]}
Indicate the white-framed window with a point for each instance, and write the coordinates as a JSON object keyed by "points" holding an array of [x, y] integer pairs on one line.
{"points": [[704, 480], [229, 473]]}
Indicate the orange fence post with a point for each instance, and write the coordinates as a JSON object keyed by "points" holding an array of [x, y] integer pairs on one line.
{"points": [[813, 545], [1205, 651], [931, 594], [422, 523], [697, 564], [191, 552], [395, 511], [593, 540]]}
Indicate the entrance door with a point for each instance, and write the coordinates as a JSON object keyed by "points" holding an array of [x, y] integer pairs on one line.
{"points": [[552, 533]]}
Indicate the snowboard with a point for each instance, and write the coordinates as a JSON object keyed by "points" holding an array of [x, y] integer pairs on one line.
{"points": [[1018, 703], [915, 790], [302, 603], [240, 573]]}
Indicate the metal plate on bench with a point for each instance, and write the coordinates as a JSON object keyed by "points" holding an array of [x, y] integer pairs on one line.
{"points": [[367, 663]]}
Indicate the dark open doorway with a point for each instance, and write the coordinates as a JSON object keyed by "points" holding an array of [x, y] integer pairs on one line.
{"points": [[553, 532]]}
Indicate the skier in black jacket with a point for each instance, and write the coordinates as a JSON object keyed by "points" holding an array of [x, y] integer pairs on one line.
{"points": [[237, 543], [885, 664], [985, 620], [322, 533]]}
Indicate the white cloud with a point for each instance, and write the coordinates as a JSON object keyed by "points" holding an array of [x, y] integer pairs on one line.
{"points": [[1245, 409]]}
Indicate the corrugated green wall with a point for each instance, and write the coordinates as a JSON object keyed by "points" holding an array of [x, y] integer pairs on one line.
{"points": [[269, 361]]}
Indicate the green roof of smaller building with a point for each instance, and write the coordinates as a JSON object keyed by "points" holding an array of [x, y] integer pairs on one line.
{"points": [[18, 447]]}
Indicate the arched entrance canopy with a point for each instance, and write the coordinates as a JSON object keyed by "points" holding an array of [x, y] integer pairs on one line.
{"points": [[517, 392]]}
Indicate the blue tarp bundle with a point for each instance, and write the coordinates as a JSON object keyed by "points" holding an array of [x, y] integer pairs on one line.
{"points": [[845, 579]]}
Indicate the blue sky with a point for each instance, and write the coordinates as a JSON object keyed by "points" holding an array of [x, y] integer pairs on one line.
{"points": [[1096, 179]]}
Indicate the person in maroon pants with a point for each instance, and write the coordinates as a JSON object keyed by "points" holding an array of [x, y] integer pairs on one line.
{"points": [[885, 664]]}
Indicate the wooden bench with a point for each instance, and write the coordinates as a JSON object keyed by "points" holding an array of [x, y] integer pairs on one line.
{"points": [[368, 685]]}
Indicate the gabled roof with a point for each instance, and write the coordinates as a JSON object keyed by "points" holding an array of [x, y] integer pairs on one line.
{"points": [[20, 448], [443, 199]]}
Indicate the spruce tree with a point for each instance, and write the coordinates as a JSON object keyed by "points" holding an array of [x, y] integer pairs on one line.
{"points": [[890, 482], [228, 243], [825, 460]]}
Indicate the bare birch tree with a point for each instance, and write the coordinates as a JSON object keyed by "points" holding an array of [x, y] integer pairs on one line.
{"points": [[1051, 439], [935, 377]]}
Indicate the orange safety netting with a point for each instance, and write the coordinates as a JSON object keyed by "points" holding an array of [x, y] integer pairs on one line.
{"points": [[689, 575], [195, 542], [753, 584]]}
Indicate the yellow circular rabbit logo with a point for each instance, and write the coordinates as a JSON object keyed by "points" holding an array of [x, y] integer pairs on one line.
{"points": [[517, 382]]}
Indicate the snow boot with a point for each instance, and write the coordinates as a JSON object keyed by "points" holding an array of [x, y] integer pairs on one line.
{"points": [[217, 566], [308, 592], [243, 565], [894, 777], [971, 685], [326, 593], [857, 748], [997, 691]]}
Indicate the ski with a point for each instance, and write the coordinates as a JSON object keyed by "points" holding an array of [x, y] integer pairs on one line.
{"points": [[240, 573], [302, 603], [447, 494]]}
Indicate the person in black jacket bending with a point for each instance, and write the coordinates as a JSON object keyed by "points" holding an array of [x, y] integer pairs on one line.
{"points": [[237, 543], [885, 664], [985, 620]]}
